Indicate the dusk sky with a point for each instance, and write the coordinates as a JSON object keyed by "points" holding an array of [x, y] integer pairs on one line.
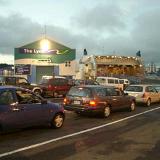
{"points": [[103, 27]]}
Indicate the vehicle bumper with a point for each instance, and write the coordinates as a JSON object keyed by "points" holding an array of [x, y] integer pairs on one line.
{"points": [[86, 109], [141, 100], [47, 93]]}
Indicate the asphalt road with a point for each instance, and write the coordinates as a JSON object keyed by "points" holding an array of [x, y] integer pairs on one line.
{"points": [[124, 135]]}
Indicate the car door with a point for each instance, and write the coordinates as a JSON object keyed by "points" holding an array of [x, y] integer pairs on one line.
{"points": [[100, 94], [33, 110], [153, 94], [116, 98], [11, 115]]}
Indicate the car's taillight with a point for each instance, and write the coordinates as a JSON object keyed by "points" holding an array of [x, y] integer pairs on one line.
{"points": [[92, 103], [65, 101], [49, 87]]}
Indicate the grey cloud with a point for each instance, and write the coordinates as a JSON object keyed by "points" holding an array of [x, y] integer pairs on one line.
{"points": [[78, 42], [3, 2], [101, 18], [17, 30], [146, 34]]}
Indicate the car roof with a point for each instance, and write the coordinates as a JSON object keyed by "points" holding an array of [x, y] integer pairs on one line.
{"points": [[94, 86], [11, 76], [7, 87], [11, 87], [141, 85], [107, 77]]}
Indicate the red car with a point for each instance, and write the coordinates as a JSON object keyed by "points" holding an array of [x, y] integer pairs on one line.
{"points": [[54, 86]]}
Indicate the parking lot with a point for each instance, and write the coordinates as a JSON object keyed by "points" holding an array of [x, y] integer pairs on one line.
{"points": [[123, 135]]}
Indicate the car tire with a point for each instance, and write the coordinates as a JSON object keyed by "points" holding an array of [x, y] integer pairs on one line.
{"points": [[57, 121], [132, 106], [37, 92], [106, 112], [148, 103]]}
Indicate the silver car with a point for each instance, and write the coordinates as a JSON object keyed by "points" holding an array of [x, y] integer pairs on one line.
{"points": [[145, 94]]}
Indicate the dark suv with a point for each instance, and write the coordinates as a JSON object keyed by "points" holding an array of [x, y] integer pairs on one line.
{"points": [[55, 86], [20, 82], [97, 99]]}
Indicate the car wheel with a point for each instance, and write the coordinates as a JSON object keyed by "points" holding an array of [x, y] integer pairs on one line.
{"points": [[148, 103], [106, 111], [57, 121], [132, 106], [37, 92]]}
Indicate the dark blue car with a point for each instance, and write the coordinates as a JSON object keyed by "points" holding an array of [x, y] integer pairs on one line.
{"points": [[21, 108]]}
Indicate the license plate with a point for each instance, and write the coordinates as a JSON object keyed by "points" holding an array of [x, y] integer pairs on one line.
{"points": [[77, 102]]}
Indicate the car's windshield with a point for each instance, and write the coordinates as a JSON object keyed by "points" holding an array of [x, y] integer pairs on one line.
{"points": [[157, 88], [134, 88], [44, 81], [80, 92]]}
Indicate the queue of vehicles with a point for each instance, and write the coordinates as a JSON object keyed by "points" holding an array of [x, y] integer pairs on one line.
{"points": [[97, 99], [21, 105]]}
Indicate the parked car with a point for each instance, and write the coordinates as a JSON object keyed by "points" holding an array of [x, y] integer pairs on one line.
{"points": [[54, 87], [145, 94], [21, 108], [97, 99], [110, 81], [20, 82]]}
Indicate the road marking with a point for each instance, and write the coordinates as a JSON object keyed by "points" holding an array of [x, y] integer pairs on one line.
{"points": [[73, 134]]}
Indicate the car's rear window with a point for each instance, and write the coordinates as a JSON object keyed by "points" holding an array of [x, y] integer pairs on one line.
{"points": [[80, 92], [44, 81], [134, 89]]}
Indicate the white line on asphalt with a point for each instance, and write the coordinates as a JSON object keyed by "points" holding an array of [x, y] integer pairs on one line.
{"points": [[73, 134]]}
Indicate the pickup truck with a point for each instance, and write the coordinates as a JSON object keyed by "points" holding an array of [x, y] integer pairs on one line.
{"points": [[20, 82]]}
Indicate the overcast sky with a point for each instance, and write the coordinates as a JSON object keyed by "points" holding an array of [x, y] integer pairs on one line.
{"points": [[119, 27]]}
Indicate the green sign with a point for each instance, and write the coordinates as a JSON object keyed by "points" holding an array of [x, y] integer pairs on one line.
{"points": [[57, 53]]}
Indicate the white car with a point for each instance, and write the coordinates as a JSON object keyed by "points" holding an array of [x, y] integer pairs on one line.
{"points": [[110, 81], [145, 94]]}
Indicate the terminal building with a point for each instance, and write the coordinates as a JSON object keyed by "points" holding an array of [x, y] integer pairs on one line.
{"points": [[44, 57]]}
